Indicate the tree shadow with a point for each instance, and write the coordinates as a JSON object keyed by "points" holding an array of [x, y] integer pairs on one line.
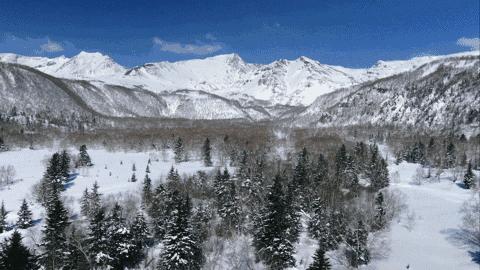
{"points": [[464, 240]]}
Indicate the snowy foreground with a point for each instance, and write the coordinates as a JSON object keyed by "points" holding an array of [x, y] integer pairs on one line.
{"points": [[423, 237]]}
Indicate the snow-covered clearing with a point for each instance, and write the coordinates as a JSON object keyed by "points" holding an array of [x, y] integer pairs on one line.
{"points": [[112, 171], [424, 236]]}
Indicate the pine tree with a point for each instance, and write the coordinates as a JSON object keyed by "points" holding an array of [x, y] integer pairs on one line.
{"points": [[121, 247], [133, 179], [300, 173], [147, 191], [356, 251], [178, 150], [206, 153], [450, 155], [270, 237], [327, 227], [182, 251], [147, 170], [469, 178], [15, 256], [380, 220], [320, 261], [229, 210], [24, 216], [134, 168], [3, 218], [54, 239], [139, 234], [98, 242], [85, 203], [84, 159], [64, 164]]}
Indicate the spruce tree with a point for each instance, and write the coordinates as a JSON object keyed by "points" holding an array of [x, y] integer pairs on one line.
{"points": [[147, 191], [147, 170], [133, 179], [54, 239], [469, 178], [450, 155], [206, 153], [380, 220], [320, 261], [182, 251], [229, 209], [24, 216], [121, 246], [84, 159], [179, 150], [85, 203], [139, 234], [300, 173], [64, 164], [270, 237], [356, 252], [15, 256], [97, 241], [3, 218]]}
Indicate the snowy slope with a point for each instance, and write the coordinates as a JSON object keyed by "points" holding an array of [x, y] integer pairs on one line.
{"points": [[435, 94], [424, 236]]}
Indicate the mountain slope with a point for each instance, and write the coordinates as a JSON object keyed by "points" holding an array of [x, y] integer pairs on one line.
{"points": [[285, 82], [437, 94]]}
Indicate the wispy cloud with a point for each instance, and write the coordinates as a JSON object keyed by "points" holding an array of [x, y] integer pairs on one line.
{"points": [[472, 43], [210, 36], [185, 48], [51, 46]]}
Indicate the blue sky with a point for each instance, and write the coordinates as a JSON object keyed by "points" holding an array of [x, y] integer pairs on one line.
{"points": [[350, 33]]}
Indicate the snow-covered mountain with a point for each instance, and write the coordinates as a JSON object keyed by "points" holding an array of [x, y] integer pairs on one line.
{"points": [[441, 93], [426, 90], [285, 82]]}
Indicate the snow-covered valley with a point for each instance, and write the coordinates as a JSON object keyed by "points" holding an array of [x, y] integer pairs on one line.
{"points": [[423, 236]]}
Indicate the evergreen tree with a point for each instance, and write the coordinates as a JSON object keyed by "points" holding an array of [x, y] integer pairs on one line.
{"points": [[15, 256], [320, 261], [182, 251], [380, 220], [133, 179], [3, 218], [54, 239], [147, 170], [158, 211], [134, 168], [147, 190], [300, 173], [64, 165], [206, 153], [230, 211], [84, 159], [450, 155], [270, 237], [320, 171], [139, 234], [98, 242], [328, 227], [469, 178], [178, 150], [85, 203], [356, 251], [121, 248], [24, 216]]}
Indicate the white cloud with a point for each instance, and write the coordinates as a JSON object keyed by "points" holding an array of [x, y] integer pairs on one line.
{"points": [[179, 48], [472, 43], [51, 46]]}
